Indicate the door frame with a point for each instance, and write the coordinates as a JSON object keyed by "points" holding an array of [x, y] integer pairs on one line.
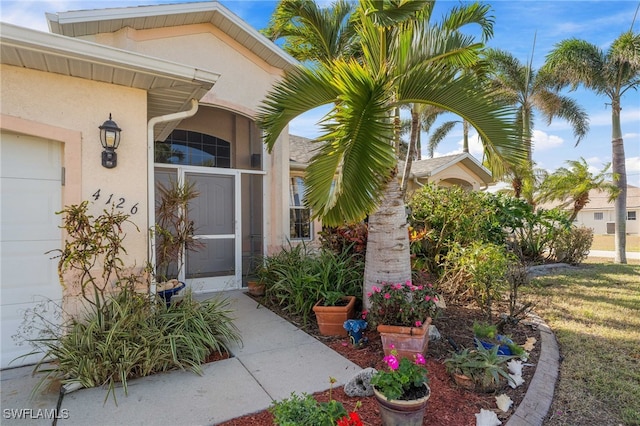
{"points": [[228, 282]]}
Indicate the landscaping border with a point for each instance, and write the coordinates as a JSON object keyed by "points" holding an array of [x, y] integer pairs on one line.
{"points": [[535, 406]]}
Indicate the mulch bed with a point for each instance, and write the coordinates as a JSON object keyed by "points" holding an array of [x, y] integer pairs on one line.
{"points": [[449, 404]]}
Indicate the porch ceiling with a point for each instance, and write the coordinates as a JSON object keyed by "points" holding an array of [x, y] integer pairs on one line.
{"points": [[170, 86], [81, 23]]}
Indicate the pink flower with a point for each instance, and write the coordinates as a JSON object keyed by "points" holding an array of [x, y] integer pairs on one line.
{"points": [[398, 286], [387, 296], [369, 294], [418, 323], [427, 298], [420, 359], [391, 361], [376, 289], [435, 299], [364, 314]]}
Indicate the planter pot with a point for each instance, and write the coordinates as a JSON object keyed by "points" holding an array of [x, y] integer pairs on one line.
{"points": [[407, 341], [396, 412], [255, 288], [172, 287], [502, 349], [463, 381], [331, 318]]}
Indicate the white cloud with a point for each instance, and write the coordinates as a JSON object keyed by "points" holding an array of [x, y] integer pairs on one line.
{"points": [[543, 141]]}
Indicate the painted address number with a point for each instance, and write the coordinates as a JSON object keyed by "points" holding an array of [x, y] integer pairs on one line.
{"points": [[118, 202]]}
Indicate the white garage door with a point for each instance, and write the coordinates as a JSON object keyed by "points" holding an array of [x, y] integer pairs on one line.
{"points": [[30, 194]]}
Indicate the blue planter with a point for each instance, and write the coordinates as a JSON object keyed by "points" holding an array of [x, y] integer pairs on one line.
{"points": [[166, 294], [502, 349]]}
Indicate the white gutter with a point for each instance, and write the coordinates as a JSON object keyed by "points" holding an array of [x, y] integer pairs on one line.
{"points": [[415, 180], [151, 196]]}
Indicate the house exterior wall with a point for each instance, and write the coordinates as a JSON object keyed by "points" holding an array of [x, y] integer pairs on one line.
{"points": [[586, 218], [244, 81], [457, 173], [69, 110]]}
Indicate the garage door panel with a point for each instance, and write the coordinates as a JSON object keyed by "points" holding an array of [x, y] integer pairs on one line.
{"points": [[33, 217], [31, 194], [30, 157], [13, 317], [21, 280]]}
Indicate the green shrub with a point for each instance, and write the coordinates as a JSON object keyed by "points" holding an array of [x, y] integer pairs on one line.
{"points": [[480, 269], [443, 218], [346, 238], [572, 246], [297, 278], [126, 336], [539, 229], [306, 411]]}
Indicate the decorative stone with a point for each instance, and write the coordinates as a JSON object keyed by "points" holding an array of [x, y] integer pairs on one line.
{"points": [[515, 367], [434, 334], [504, 402], [360, 383]]}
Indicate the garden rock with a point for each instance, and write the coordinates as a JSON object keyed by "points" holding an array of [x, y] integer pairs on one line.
{"points": [[434, 334], [360, 383]]}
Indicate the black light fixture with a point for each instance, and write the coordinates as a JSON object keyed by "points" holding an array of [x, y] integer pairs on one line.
{"points": [[110, 139]]}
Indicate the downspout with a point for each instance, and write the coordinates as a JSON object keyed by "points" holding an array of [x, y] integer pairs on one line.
{"points": [[151, 196], [415, 180]]}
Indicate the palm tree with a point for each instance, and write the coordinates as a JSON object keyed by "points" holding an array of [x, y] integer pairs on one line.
{"points": [[572, 185], [520, 85], [312, 33], [353, 174], [612, 73]]}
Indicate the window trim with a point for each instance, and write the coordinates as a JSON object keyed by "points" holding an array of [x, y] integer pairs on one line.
{"points": [[598, 216], [294, 198]]}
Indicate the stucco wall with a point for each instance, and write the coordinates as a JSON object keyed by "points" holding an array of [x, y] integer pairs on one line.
{"points": [[35, 103], [586, 218]]}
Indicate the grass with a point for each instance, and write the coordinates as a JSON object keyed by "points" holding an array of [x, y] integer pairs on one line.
{"points": [[605, 242], [594, 312]]}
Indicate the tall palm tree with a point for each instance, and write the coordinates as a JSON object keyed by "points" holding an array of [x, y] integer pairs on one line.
{"points": [[404, 61], [572, 185], [612, 73], [520, 85]]}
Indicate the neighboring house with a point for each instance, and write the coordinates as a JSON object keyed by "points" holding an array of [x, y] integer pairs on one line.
{"points": [[599, 215], [461, 170], [184, 78]]}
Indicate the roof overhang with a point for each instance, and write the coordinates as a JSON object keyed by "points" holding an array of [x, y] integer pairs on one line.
{"points": [[89, 22], [170, 86]]}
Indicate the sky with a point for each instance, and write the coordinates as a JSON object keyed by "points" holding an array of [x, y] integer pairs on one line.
{"points": [[517, 24]]}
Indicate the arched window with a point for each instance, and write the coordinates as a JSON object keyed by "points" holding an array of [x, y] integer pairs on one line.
{"points": [[189, 148]]}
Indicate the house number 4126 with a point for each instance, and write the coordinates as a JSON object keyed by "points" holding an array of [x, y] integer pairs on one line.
{"points": [[118, 202]]}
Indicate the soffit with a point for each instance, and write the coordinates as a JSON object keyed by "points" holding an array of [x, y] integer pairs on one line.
{"points": [[170, 86], [89, 22]]}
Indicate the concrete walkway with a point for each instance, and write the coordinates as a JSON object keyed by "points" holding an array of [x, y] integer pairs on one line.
{"points": [[612, 254], [277, 358]]}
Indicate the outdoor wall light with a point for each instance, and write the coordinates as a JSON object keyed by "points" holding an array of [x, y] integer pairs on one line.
{"points": [[110, 139]]}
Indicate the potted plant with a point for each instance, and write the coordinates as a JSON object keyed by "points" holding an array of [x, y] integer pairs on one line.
{"points": [[332, 310], [173, 234], [403, 313], [479, 369], [402, 391]]}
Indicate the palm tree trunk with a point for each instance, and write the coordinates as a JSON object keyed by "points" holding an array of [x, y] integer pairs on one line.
{"points": [[465, 136], [619, 170], [388, 257], [415, 130]]}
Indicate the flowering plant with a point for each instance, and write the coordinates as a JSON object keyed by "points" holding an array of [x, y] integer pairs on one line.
{"points": [[353, 419], [401, 304], [402, 378]]}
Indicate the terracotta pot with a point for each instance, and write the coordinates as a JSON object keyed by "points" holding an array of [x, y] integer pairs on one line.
{"points": [[255, 288], [331, 318], [407, 341], [396, 412], [463, 381]]}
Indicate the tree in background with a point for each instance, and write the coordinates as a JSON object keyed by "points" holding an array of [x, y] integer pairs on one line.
{"points": [[572, 185], [520, 85], [576, 62]]}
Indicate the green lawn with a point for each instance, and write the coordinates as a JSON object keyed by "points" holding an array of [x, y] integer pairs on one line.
{"points": [[605, 242], [594, 311]]}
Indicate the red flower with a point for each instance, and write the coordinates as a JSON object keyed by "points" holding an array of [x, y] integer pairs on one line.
{"points": [[353, 419]]}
